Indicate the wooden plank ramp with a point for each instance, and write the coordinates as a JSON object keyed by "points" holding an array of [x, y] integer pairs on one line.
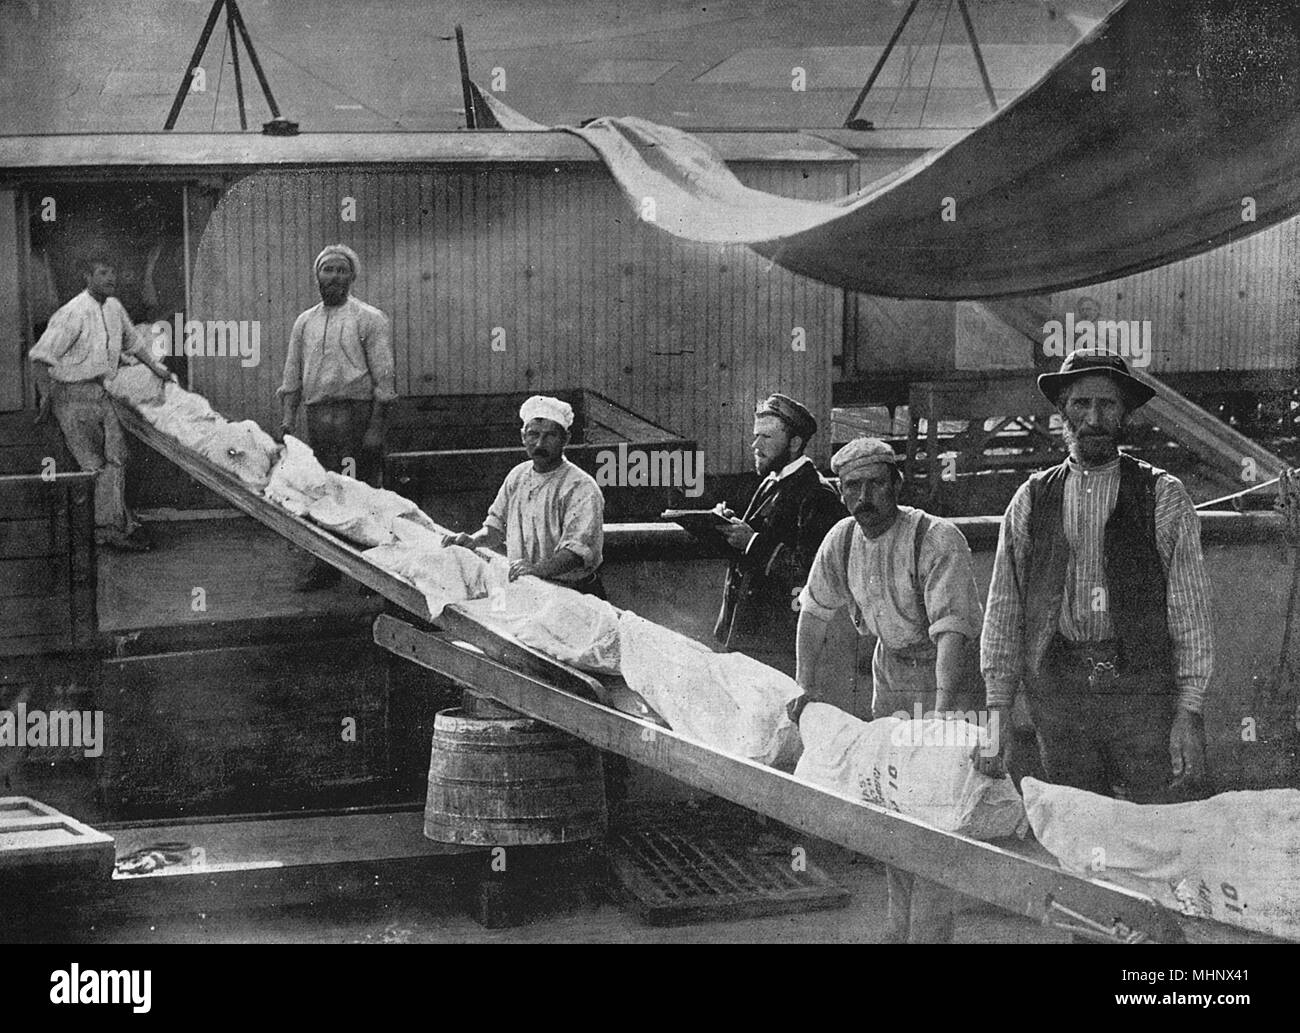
{"points": [[1022, 878], [1201, 432], [347, 558]]}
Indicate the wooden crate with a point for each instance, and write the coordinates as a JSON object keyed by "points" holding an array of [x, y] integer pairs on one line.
{"points": [[248, 729], [450, 454], [34, 835], [47, 564], [62, 775]]}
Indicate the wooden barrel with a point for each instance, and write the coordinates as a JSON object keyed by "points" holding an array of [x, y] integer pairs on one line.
{"points": [[511, 782]]}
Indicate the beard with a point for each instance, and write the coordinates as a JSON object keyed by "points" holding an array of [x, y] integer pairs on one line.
{"points": [[333, 293], [776, 464], [1091, 448]]}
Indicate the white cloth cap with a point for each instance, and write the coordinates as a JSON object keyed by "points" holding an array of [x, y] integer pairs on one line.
{"points": [[542, 407], [341, 251]]}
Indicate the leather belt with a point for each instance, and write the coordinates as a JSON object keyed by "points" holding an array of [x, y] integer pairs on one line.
{"points": [[911, 658]]}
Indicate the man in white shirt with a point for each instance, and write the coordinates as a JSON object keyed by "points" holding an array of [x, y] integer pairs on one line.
{"points": [[82, 346], [340, 367], [907, 579], [548, 513]]}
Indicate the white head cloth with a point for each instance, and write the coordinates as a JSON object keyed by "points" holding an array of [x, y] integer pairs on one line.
{"points": [[542, 407], [343, 251]]}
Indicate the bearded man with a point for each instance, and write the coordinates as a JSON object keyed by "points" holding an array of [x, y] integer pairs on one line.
{"points": [[1099, 606], [340, 366], [776, 540]]}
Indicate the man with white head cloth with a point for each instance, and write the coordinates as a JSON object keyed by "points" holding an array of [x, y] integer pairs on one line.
{"points": [[907, 581], [548, 513], [340, 366]]}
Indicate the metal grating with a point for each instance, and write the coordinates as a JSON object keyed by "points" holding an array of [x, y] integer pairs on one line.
{"points": [[672, 876]]}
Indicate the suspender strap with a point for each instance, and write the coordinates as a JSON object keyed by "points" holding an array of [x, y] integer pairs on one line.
{"points": [[922, 529]]}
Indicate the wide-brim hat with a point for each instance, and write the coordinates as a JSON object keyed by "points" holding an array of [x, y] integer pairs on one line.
{"points": [[1087, 362]]}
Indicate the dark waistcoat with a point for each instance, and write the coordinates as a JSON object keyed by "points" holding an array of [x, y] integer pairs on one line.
{"points": [[1136, 587]]}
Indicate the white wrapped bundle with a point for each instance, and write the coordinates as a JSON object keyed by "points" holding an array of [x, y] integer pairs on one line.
{"points": [[243, 449], [358, 512], [350, 522], [297, 480], [1232, 857], [138, 386], [918, 768], [574, 628], [726, 700], [442, 575], [179, 408]]}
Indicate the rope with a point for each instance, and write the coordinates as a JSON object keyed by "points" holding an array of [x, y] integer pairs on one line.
{"points": [[1235, 495], [221, 68], [938, 53], [906, 74]]}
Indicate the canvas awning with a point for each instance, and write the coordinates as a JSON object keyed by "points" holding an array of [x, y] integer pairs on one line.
{"points": [[1169, 130]]}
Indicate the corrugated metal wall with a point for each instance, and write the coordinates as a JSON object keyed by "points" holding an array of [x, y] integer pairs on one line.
{"points": [[687, 335], [1234, 308]]}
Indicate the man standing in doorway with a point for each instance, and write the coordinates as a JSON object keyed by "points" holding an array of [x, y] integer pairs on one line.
{"points": [[341, 367], [778, 537], [907, 580], [82, 346], [1100, 605]]}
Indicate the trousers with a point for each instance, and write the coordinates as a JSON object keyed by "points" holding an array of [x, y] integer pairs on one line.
{"points": [[1105, 731], [336, 431], [919, 910], [97, 442]]}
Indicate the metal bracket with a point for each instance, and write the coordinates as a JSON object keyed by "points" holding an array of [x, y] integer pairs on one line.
{"points": [[1070, 921]]}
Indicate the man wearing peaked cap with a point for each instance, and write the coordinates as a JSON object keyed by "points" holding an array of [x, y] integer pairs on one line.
{"points": [[777, 538], [1099, 605], [341, 368], [906, 579], [549, 514]]}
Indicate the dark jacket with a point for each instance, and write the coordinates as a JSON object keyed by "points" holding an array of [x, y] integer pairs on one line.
{"points": [[758, 604]]}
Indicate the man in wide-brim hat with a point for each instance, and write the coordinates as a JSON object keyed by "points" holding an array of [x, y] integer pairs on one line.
{"points": [[1099, 606]]}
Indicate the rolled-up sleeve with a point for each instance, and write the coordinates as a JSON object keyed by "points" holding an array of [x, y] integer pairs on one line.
{"points": [[951, 598], [497, 512], [1003, 639], [59, 335], [378, 344], [827, 591], [583, 531], [291, 383]]}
